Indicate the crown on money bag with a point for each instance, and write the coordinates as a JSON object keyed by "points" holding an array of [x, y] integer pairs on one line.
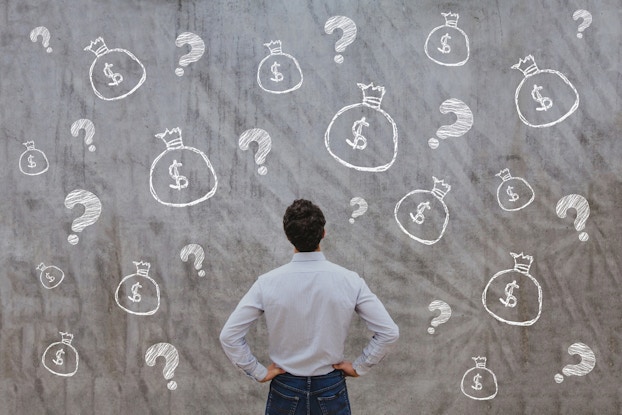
{"points": [[527, 66], [504, 174], [372, 95], [522, 262], [142, 268], [97, 46], [451, 19], [30, 145], [480, 361], [66, 337], [275, 47], [440, 188], [172, 138]]}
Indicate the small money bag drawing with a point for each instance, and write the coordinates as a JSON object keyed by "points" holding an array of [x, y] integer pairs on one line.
{"points": [[61, 358], [138, 293], [423, 214], [181, 175], [115, 73], [514, 193], [448, 45], [513, 296], [363, 136], [50, 275], [479, 382], [544, 97], [33, 161], [278, 72]]}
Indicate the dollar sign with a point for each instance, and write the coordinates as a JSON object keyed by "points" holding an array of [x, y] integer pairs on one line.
{"points": [[419, 218], [31, 162], [135, 298], [59, 357], [49, 277], [278, 76], [513, 196], [545, 102], [174, 173], [446, 48], [510, 300], [117, 78], [477, 385], [356, 132]]}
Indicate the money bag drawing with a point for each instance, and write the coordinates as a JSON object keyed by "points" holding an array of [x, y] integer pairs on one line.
{"points": [[513, 296], [138, 293], [423, 214], [61, 358], [479, 382], [448, 45], [50, 275], [181, 175], [33, 161], [363, 136], [278, 72], [544, 97], [514, 193], [115, 73]]}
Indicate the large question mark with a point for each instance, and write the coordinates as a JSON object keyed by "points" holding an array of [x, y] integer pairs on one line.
{"points": [[588, 361], [347, 26], [264, 142], [360, 210], [462, 125], [92, 210], [44, 33], [169, 352], [89, 131], [198, 253], [445, 310], [582, 207], [197, 48], [587, 20]]}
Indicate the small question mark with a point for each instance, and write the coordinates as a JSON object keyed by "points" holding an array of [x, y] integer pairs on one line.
{"points": [[361, 209], [588, 361], [263, 140], [89, 131], [198, 253], [92, 210], [442, 318], [347, 26], [587, 20], [169, 352], [460, 127], [582, 207], [44, 33], [197, 49]]}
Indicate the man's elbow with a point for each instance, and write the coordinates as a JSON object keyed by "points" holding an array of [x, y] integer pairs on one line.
{"points": [[393, 334]]}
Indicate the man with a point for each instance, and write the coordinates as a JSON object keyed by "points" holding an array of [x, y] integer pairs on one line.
{"points": [[308, 305]]}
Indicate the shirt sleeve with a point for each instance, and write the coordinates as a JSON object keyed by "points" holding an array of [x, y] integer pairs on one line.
{"points": [[232, 335], [378, 320]]}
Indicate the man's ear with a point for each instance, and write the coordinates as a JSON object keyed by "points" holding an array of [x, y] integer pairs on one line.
{"points": [[323, 233]]}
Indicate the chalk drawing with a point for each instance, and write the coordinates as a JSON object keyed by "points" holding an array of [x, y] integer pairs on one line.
{"points": [[588, 362], [448, 45], [362, 207], [33, 161], [199, 255], [464, 121], [580, 204], [264, 142], [197, 48], [587, 20], [92, 211], [348, 29], [279, 72], [50, 275], [171, 357], [138, 293], [45, 37], [514, 193], [442, 318], [479, 382], [89, 131], [61, 358]]}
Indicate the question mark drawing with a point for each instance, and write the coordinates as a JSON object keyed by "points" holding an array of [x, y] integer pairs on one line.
{"points": [[199, 255], [348, 27], [445, 310], [92, 210], [587, 20], [89, 131], [45, 34], [462, 125], [361, 209], [582, 207], [197, 48], [264, 142], [588, 361], [169, 352]]}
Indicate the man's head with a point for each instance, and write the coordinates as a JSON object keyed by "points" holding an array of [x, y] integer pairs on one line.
{"points": [[303, 223]]}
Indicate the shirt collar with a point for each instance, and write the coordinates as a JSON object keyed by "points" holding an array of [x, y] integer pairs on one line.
{"points": [[309, 256]]}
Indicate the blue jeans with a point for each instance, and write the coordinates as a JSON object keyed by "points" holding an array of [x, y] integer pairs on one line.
{"points": [[308, 395]]}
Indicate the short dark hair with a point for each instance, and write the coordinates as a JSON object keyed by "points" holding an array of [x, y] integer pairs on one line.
{"points": [[303, 223]]}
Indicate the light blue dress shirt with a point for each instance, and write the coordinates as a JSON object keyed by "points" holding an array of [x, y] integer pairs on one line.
{"points": [[308, 305]]}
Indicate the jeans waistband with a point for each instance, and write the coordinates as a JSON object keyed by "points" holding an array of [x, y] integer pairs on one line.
{"points": [[335, 373]]}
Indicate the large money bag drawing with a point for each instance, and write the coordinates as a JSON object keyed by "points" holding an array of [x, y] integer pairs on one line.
{"points": [[479, 382], [513, 296], [181, 175], [423, 215], [363, 136], [138, 293], [514, 193], [278, 72], [115, 73], [50, 275], [544, 97], [33, 161], [61, 358], [448, 45]]}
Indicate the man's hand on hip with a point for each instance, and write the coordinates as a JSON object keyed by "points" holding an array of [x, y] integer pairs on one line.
{"points": [[273, 371], [346, 368]]}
